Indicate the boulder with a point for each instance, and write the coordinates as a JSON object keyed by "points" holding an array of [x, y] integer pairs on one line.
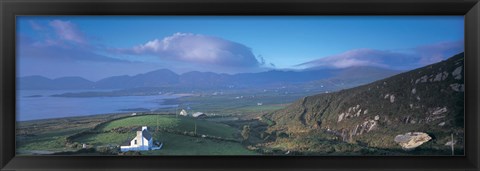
{"points": [[392, 98], [340, 117], [412, 140]]}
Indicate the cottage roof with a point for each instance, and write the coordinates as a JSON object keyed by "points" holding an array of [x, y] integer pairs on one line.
{"points": [[146, 134]]}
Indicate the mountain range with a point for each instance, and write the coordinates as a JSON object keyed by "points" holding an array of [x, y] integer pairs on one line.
{"points": [[195, 79]]}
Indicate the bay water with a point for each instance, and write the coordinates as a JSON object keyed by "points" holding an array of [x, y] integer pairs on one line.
{"points": [[39, 104]]}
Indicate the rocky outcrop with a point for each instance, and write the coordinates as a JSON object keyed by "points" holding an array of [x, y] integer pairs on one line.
{"points": [[441, 76], [457, 87], [390, 97], [422, 79], [428, 98], [437, 113], [457, 73], [354, 111], [412, 140]]}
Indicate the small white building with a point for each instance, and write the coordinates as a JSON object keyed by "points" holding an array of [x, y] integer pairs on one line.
{"points": [[199, 115], [142, 142], [183, 112]]}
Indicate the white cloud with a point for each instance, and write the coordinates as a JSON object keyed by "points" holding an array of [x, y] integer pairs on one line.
{"points": [[402, 60], [197, 49], [355, 57], [66, 30], [438, 51]]}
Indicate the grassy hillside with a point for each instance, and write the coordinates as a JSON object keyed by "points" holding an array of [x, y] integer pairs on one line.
{"points": [[47, 136], [101, 132], [429, 99]]}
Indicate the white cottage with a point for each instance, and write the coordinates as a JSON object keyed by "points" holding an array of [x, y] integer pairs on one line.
{"points": [[199, 115], [183, 112], [142, 142]]}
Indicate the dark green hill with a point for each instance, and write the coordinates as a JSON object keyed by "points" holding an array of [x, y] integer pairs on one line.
{"points": [[429, 99]]}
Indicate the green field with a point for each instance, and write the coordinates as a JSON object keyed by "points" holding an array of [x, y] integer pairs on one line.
{"points": [[48, 142], [231, 104], [179, 123], [174, 143]]}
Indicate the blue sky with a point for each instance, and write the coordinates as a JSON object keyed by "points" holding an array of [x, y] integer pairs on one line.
{"points": [[95, 47]]}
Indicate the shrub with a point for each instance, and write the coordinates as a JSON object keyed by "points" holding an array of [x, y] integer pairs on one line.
{"points": [[131, 153], [108, 150], [282, 135]]}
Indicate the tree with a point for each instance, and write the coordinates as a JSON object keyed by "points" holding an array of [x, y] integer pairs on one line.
{"points": [[246, 132]]}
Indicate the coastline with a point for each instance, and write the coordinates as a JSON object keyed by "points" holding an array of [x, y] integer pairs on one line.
{"points": [[102, 115], [47, 108]]}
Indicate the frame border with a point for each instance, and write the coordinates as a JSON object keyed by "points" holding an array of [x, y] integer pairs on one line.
{"points": [[11, 8]]}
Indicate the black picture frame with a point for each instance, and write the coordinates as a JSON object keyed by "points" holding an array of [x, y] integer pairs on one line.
{"points": [[11, 8]]}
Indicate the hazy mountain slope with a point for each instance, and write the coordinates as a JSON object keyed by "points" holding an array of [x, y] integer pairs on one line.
{"points": [[364, 72], [351, 77], [113, 82], [428, 99], [155, 78], [33, 82], [39, 82], [203, 79], [73, 82]]}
